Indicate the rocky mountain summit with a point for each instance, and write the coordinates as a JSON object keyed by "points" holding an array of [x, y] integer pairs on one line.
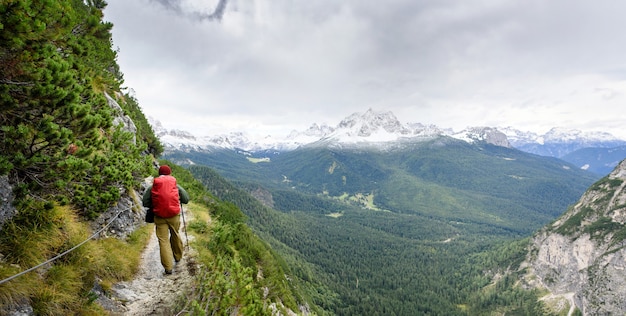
{"points": [[581, 257]]}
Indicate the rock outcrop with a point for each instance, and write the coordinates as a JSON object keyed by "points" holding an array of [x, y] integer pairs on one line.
{"points": [[488, 135], [581, 257], [121, 119], [7, 210]]}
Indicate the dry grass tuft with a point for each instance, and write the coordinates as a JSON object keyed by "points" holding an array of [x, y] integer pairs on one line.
{"points": [[64, 286]]}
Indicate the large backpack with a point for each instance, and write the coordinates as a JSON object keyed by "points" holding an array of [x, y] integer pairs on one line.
{"points": [[165, 199]]}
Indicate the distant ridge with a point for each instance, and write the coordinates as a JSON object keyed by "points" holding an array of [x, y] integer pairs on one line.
{"points": [[382, 129]]}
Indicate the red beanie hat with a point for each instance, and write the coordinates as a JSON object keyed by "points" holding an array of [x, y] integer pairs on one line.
{"points": [[164, 170]]}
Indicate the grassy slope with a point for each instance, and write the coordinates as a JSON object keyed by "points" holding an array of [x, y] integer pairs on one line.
{"points": [[65, 285]]}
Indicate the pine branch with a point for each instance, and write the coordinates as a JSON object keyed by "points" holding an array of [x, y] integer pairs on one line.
{"points": [[16, 83]]}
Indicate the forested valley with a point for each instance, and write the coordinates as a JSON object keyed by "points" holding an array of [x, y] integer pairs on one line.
{"points": [[358, 261]]}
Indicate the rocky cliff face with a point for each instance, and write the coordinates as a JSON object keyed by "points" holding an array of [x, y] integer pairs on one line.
{"points": [[581, 257]]}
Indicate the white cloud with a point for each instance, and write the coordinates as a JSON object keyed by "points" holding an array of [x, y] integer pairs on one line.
{"points": [[274, 65]]}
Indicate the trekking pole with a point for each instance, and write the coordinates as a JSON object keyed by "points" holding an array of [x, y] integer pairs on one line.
{"points": [[182, 213]]}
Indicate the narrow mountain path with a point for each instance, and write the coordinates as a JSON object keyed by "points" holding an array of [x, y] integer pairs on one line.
{"points": [[152, 292]]}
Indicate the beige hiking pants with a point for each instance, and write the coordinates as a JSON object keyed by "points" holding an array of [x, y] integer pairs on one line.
{"points": [[170, 243]]}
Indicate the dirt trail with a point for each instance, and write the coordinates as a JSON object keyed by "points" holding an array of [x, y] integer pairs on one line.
{"points": [[152, 292]]}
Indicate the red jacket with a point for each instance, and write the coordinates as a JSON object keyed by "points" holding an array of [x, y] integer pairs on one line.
{"points": [[165, 199]]}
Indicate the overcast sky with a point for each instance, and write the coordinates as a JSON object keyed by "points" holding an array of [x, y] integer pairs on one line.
{"points": [[271, 66]]}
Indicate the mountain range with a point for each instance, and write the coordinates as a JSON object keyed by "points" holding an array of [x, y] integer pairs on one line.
{"points": [[597, 152], [411, 215]]}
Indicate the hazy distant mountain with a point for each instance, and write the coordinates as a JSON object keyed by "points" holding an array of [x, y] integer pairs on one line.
{"points": [[559, 142], [597, 152], [597, 160]]}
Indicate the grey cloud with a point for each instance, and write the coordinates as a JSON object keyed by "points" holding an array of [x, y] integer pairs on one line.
{"points": [[173, 5], [176, 6], [217, 14]]}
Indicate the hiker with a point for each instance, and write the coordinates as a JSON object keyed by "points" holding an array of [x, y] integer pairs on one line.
{"points": [[165, 198]]}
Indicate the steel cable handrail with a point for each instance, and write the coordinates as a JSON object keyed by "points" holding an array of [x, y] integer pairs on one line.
{"points": [[67, 251]]}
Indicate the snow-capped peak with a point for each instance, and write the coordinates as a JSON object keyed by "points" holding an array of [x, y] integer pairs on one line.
{"points": [[561, 134], [371, 122], [375, 128], [556, 135], [489, 135]]}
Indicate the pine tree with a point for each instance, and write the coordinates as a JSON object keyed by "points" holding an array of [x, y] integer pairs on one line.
{"points": [[57, 137]]}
